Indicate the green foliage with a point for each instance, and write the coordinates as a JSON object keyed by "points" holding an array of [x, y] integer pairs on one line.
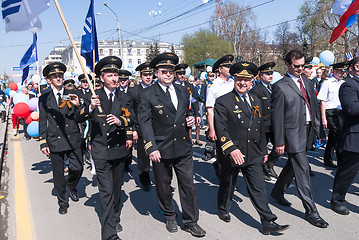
{"points": [[154, 50]]}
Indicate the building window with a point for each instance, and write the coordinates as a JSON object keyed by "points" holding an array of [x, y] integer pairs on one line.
{"points": [[129, 61], [110, 52], [129, 50], [147, 51], [101, 51], [138, 61], [138, 52]]}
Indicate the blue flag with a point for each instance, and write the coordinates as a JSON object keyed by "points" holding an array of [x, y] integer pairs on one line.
{"points": [[29, 58], [89, 38]]}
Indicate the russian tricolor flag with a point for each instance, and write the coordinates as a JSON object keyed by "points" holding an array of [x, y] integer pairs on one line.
{"points": [[348, 10]]}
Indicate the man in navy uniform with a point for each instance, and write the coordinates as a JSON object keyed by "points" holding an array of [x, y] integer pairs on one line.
{"points": [[263, 90], [60, 134], [110, 141], [164, 121], [143, 162], [348, 163], [241, 137], [295, 123]]}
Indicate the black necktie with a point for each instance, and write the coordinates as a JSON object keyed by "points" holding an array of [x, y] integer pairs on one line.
{"points": [[247, 104], [270, 88], [168, 93], [110, 101], [59, 98]]}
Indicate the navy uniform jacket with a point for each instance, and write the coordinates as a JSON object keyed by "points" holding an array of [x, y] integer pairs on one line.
{"points": [[84, 96], [349, 99], [236, 128], [163, 127], [260, 91], [289, 122], [109, 142], [135, 92], [195, 106], [58, 129]]}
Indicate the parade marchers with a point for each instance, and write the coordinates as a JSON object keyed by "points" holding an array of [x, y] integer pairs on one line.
{"points": [[160, 115]]}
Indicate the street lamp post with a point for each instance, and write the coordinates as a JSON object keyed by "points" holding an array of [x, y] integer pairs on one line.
{"points": [[118, 27]]}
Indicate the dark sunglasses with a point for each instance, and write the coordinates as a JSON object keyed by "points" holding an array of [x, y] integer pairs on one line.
{"points": [[165, 72], [298, 66]]}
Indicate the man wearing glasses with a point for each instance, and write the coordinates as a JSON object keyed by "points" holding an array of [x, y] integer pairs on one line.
{"points": [[165, 119], [295, 122]]}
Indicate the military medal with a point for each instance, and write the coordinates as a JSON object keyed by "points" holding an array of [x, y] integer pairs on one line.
{"points": [[160, 111]]}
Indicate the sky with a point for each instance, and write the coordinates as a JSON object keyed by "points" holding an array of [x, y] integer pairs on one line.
{"points": [[134, 17]]}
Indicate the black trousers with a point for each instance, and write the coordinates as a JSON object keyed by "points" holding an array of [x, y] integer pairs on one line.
{"points": [[109, 177], [143, 161], [273, 155], [335, 125], [253, 176], [348, 167], [183, 168], [75, 172]]}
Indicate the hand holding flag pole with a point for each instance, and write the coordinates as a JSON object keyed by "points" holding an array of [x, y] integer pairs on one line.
{"points": [[76, 51]]}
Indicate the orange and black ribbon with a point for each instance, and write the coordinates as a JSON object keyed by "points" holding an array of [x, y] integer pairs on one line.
{"points": [[256, 109], [190, 93], [63, 103], [125, 112]]}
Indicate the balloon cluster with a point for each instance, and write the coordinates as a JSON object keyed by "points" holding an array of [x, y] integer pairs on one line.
{"points": [[157, 13], [25, 108], [326, 58]]}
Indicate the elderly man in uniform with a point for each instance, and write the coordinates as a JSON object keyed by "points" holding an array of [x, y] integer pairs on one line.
{"points": [[348, 163], [110, 141], [165, 119], [143, 162], [331, 111], [221, 85], [60, 134], [240, 131], [263, 90], [295, 122]]}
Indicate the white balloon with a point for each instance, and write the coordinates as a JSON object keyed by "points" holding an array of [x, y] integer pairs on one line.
{"points": [[276, 77], [188, 71], [36, 78], [68, 75], [12, 93], [205, 1], [209, 68], [159, 4], [203, 75], [20, 97]]}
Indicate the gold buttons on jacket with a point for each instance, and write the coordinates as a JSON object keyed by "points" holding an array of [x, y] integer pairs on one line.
{"points": [[58, 137], [107, 134], [175, 139], [174, 125], [104, 124], [184, 138]]}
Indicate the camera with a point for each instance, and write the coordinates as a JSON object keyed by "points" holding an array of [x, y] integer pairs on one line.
{"points": [[66, 97]]}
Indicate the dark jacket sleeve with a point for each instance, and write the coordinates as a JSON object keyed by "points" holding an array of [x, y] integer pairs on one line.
{"points": [[43, 121], [277, 114]]}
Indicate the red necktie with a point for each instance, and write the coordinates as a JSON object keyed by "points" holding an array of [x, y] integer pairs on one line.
{"points": [[305, 95]]}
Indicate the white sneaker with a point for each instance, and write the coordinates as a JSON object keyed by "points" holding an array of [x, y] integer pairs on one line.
{"points": [[15, 132]]}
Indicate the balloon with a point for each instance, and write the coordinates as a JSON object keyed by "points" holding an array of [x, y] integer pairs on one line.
{"points": [[33, 129], [67, 75], [36, 78], [205, 1], [159, 4], [188, 71], [203, 76], [276, 76], [13, 86], [20, 85], [315, 61], [35, 116], [209, 68], [21, 110], [327, 58], [28, 120], [20, 97], [33, 102], [12, 93], [7, 91]]}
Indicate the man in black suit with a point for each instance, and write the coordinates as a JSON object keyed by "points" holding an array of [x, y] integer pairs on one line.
{"points": [[348, 163], [143, 162], [111, 140], [263, 90], [165, 119], [60, 134], [295, 122], [242, 146]]}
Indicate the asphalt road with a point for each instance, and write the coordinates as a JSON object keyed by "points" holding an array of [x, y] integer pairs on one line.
{"points": [[140, 216]]}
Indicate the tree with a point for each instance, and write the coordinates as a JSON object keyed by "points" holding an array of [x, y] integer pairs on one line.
{"points": [[154, 50], [204, 44], [286, 40], [173, 49]]}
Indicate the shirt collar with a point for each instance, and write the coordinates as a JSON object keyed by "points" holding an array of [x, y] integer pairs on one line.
{"points": [[293, 77], [144, 86], [164, 87], [108, 91], [56, 92]]}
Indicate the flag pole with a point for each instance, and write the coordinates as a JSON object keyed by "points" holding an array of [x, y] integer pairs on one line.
{"points": [[93, 66], [38, 74], [76, 51]]}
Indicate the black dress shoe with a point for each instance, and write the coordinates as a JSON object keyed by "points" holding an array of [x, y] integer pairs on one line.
{"points": [[272, 173], [118, 227], [225, 217], [195, 230], [74, 195], [272, 226], [340, 209], [282, 201], [63, 210], [330, 164], [171, 226], [316, 221], [114, 237]]}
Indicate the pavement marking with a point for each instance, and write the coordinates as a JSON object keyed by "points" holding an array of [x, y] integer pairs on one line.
{"points": [[23, 222]]}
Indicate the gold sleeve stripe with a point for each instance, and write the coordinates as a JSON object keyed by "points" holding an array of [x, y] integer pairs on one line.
{"points": [[82, 111], [125, 120], [148, 145], [42, 141], [129, 132], [227, 145]]}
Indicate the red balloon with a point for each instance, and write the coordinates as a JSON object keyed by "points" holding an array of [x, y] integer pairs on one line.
{"points": [[29, 119], [13, 86], [22, 110]]}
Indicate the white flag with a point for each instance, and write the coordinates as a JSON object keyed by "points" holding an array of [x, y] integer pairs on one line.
{"points": [[21, 15], [340, 6]]}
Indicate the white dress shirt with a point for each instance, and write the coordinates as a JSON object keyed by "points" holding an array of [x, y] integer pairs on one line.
{"points": [[295, 80], [173, 94]]}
